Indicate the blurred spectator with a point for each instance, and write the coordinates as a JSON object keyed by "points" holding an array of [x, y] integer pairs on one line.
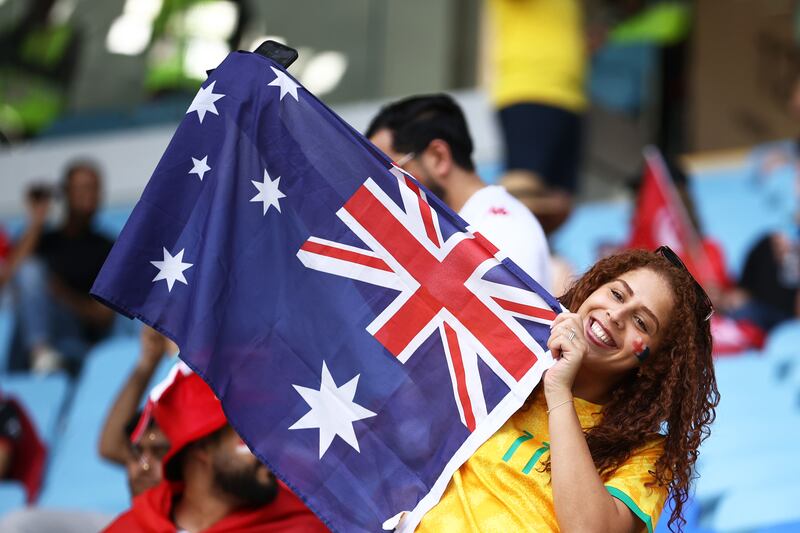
{"points": [[665, 214], [428, 137], [539, 68], [5, 250], [212, 481], [768, 289], [768, 292], [139, 453], [22, 453], [53, 270]]}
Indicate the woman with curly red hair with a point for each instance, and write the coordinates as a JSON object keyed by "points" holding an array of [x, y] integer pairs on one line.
{"points": [[616, 423]]}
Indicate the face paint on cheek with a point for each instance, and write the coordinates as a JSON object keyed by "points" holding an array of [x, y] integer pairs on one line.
{"points": [[641, 351]]}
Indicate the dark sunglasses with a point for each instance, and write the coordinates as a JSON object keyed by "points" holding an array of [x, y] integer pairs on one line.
{"points": [[673, 258]]}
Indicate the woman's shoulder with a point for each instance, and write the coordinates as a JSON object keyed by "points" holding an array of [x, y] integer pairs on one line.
{"points": [[652, 446], [644, 456]]}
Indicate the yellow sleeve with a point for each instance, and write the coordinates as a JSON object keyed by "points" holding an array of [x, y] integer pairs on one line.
{"points": [[629, 485]]}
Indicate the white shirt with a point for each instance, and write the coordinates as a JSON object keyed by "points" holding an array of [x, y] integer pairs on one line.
{"points": [[510, 226]]}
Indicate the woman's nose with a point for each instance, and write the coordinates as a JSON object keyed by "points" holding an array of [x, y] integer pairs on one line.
{"points": [[615, 316]]}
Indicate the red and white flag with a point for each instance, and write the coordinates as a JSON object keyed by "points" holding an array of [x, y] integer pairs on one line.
{"points": [[660, 218]]}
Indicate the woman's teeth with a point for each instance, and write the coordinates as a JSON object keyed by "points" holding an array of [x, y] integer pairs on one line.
{"points": [[601, 334]]}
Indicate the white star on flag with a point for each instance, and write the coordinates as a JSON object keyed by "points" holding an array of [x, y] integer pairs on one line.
{"points": [[200, 167], [333, 411], [268, 192], [285, 83], [204, 101], [171, 268]]}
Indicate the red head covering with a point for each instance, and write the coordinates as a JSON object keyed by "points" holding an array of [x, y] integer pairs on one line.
{"points": [[28, 452], [184, 407]]}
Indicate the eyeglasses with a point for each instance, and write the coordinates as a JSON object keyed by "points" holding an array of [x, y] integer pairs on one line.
{"points": [[673, 258], [405, 159]]}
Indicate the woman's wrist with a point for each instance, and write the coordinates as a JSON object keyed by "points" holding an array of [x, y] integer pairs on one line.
{"points": [[557, 396]]}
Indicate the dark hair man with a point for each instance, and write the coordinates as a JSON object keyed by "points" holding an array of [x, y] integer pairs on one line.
{"points": [[428, 137], [53, 270], [213, 483]]}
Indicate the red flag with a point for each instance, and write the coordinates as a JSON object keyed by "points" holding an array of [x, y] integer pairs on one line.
{"points": [[735, 336], [661, 219]]}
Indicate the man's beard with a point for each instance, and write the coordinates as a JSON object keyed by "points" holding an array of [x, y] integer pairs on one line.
{"points": [[436, 189], [425, 179], [245, 487]]}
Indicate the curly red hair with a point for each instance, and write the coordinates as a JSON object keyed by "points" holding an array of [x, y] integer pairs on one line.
{"points": [[675, 392]]}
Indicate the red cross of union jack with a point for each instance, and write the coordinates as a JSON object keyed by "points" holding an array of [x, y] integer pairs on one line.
{"points": [[441, 286]]}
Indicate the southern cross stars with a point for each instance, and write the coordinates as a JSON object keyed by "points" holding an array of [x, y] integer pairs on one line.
{"points": [[285, 83], [200, 167], [268, 192], [333, 411], [171, 269], [204, 101]]}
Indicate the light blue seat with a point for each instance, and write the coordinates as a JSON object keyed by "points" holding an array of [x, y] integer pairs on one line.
{"points": [[764, 413], [787, 527], [721, 195], [691, 513], [76, 458], [42, 396], [757, 411], [783, 348], [12, 496], [722, 473], [6, 332], [589, 227], [110, 220], [759, 506], [784, 338]]}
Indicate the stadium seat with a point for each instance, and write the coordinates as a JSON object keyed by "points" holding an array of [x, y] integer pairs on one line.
{"points": [[12, 496], [719, 194], [718, 476], [6, 331], [783, 348], [589, 227], [691, 513], [761, 506], [788, 527], [42, 396], [111, 220], [76, 456]]}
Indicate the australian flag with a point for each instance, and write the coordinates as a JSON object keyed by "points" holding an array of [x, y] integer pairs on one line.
{"points": [[363, 339]]}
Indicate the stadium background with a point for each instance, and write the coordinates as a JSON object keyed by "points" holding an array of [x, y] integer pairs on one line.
{"points": [[109, 80]]}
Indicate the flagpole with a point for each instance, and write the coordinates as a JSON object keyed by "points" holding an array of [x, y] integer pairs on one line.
{"points": [[653, 155]]}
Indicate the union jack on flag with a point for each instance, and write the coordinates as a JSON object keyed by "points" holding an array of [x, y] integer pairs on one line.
{"points": [[363, 339]]}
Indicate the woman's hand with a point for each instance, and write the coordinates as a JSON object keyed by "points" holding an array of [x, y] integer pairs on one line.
{"points": [[567, 343]]}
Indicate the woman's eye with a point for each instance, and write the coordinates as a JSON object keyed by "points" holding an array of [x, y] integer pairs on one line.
{"points": [[640, 323], [617, 295]]}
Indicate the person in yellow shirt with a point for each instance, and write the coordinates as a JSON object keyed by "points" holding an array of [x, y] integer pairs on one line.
{"points": [[537, 72], [615, 424]]}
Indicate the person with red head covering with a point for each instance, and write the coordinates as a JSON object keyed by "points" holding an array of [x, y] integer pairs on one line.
{"points": [[212, 482], [22, 452]]}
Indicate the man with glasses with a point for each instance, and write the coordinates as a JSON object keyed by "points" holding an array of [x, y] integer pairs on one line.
{"points": [[428, 137]]}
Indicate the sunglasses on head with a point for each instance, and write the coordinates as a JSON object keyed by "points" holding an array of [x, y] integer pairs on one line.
{"points": [[672, 257]]}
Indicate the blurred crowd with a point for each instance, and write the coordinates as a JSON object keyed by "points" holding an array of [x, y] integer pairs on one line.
{"points": [[187, 468]]}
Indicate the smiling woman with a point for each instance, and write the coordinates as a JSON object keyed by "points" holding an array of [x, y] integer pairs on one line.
{"points": [[617, 421]]}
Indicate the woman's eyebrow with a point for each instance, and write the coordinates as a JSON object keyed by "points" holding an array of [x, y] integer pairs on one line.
{"points": [[630, 292]]}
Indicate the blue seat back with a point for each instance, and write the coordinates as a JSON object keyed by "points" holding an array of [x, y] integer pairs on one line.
{"points": [[76, 457], [42, 396]]}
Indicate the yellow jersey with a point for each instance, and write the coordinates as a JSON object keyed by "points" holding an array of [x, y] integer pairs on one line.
{"points": [[539, 53], [503, 487]]}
